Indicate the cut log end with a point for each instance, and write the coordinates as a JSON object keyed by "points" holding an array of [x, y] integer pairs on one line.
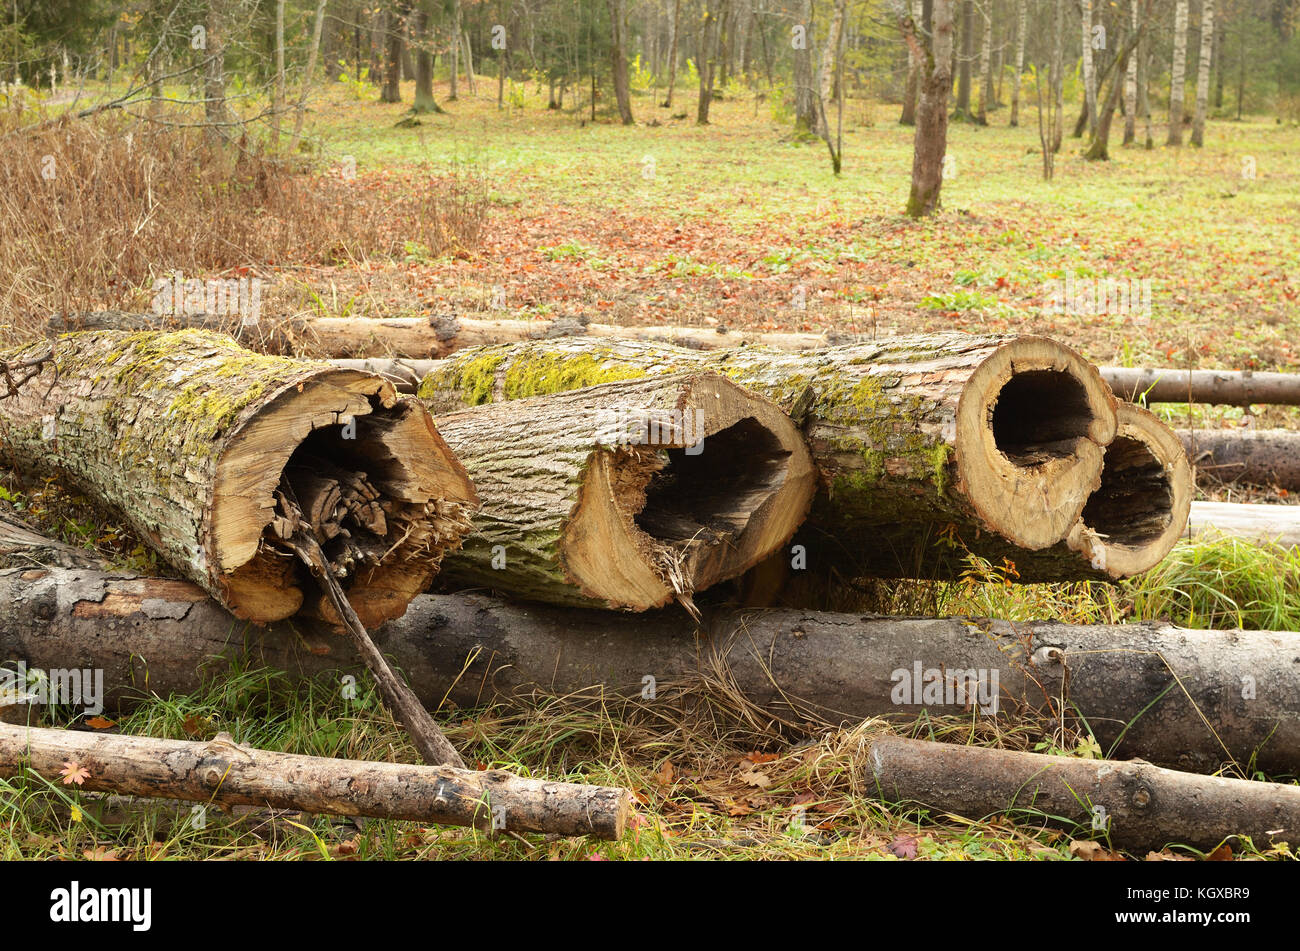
{"points": [[1140, 509], [702, 504], [388, 495], [1032, 423]]}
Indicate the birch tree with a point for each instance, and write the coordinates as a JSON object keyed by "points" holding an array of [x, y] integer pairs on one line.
{"points": [[1178, 76], [1203, 72]]}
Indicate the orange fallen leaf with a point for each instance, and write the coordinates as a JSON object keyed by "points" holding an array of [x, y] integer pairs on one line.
{"points": [[74, 772]]}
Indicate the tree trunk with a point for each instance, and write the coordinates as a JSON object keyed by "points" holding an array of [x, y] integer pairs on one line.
{"points": [[985, 77], [277, 102], [1257, 523], [708, 58], [962, 111], [1058, 73], [807, 111], [469, 65], [316, 30], [1130, 83], [826, 69], [628, 494], [904, 432], [1089, 73], [1228, 387], [1022, 24], [930, 144], [454, 92], [187, 435], [1144, 97], [914, 60], [223, 772], [1178, 75], [392, 88], [1139, 806], [1203, 72], [1099, 147], [214, 89], [672, 55], [1256, 456], [618, 61], [1141, 689], [424, 100]]}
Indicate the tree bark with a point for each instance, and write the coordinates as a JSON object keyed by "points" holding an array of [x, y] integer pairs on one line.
{"points": [[223, 772], [1001, 439], [618, 61], [277, 103], [392, 88], [424, 100], [1139, 806], [1058, 74], [214, 89], [807, 111], [628, 494], [1022, 24], [962, 111], [308, 76], [1203, 72], [1177, 77], [914, 60], [454, 92], [1278, 524], [1089, 73], [1231, 387], [830, 50], [1142, 689], [187, 436], [930, 144], [1130, 83], [1255, 456], [985, 77], [672, 55]]}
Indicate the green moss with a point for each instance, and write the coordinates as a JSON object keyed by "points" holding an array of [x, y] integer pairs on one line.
{"points": [[538, 374]]}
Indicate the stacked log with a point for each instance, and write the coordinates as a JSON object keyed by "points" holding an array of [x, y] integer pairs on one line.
{"points": [[628, 494], [1268, 457], [997, 441], [187, 436]]}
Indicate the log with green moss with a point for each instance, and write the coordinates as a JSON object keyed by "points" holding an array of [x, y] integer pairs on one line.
{"points": [[194, 441], [921, 442], [628, 494]]}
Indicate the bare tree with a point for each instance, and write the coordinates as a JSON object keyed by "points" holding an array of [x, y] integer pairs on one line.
{"points": [[618, 60], [214, 91], [930, 144], [1021, 23], [316, 30]]}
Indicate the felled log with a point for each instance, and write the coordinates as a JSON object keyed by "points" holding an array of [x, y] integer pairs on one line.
{"points": [[1258, 456], [1139, 806], [1231, 387], [628, 494], [1256, 523], [187, 435], [227, 774], [1188, 699], [1136, 515], [998, 439]]}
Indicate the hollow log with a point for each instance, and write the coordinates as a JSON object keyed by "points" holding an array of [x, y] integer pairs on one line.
{"points": [[1259, 457], [227, 774], [187, 435], [1135, 517], [1188, 699], [997, 438], [1231, 387], [1138, 806], [1257, 523], [628, 494]]}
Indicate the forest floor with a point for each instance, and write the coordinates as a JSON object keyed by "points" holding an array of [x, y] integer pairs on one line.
{"points": [[741, 225]]}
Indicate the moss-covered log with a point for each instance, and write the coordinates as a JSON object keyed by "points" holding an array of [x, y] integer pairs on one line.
{"points": [[630, 493], [187, 436], [998, 440]]}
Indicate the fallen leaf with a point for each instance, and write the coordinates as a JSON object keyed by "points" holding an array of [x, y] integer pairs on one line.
{"points": [[755, 778], [99, 723], [1091, 851], [904, 846], [1167, 856], [1222, 854], [759, 758], [73, 772], [666, 772]]}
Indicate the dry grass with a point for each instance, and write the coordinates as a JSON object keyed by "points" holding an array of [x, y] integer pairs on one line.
{"points": [[93, 211]]}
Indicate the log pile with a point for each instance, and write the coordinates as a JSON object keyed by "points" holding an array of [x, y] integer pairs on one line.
{"points": [[615, 471]]}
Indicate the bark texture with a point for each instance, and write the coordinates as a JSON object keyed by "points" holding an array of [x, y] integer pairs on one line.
{"points": [[1255, 456], [1236, 388], [1257, 523], [1178, 75], [630, 493], [1188, 699], [187, 435], [223, 772], [997, 439], [930, 144]]}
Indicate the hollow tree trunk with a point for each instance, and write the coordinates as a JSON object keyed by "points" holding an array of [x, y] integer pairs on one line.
{"points": [[628, 494], [223, 772], [930, 143], [999, 438], [187, 435], [1142, 807], [1141, 689], [1256, 523], [1178, 75], [1259, 457]]}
